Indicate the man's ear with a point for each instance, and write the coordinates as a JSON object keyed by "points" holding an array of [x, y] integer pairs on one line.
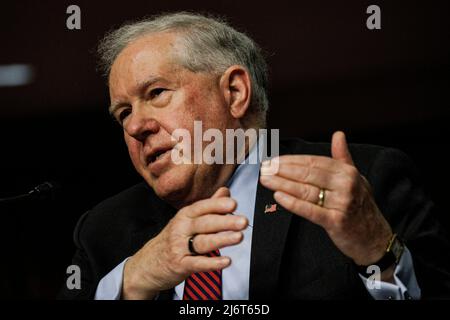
{"points": [[235, 84]]}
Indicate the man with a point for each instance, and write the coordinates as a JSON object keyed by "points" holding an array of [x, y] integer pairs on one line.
{"points": [[318, 222]]}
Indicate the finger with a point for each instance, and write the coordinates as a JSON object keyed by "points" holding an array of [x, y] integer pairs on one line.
{"points": [[299, 190], [339, 148], [319, 162], [221, 192], [212, 223], [204, 264], [205, 243], [313, 176], [305, 209], [333, 199], [216, 205]]}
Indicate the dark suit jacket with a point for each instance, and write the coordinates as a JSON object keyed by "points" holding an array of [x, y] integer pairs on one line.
{"points": [[291, 258]]}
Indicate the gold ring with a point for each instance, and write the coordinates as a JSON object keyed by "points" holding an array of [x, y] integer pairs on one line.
{"points": [[321, 199]]}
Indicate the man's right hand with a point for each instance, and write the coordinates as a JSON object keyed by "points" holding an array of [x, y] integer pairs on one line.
{"points": [[165, 261]]}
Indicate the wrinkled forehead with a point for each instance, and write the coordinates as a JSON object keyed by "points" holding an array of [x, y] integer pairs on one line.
{"points": [[150, 54]]}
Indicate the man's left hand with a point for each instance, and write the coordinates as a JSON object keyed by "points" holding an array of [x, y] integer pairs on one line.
{"points": [[348, 213]]}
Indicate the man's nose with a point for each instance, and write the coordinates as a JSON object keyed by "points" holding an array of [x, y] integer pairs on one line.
{"points": [[140, 125]]}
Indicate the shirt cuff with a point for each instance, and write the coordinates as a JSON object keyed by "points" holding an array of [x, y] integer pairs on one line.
{"points": [[405, 287], [110, 287]]}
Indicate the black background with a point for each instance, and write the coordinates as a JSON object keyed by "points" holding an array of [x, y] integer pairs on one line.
{"points": [[328, 71]]}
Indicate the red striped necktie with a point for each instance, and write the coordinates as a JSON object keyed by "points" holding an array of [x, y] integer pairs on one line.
{"points": [[204, 285]]}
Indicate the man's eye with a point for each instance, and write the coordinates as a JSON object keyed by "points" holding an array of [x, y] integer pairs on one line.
{"points": [[156, 92], [123, 114]]}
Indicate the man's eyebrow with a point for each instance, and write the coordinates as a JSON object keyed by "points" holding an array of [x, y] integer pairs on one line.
{"points": [[140, 89], [114, 106], [147, 83]]}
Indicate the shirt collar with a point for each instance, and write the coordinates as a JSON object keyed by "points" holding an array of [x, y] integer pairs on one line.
{"points": [[243, 185]]}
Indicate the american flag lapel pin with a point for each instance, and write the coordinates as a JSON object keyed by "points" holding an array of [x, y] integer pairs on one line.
{"points": [[270, 208]]}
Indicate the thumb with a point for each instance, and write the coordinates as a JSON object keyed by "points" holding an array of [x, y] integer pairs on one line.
{"points": [[221, 192], [339, 148]]}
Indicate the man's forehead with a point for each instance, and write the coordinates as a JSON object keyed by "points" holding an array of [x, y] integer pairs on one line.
{"points": [[144, 60], [156, 45]]}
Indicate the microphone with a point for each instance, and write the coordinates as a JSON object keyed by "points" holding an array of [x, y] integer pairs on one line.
{"points": [[40, 191]]}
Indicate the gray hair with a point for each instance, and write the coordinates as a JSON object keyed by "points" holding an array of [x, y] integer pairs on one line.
{"points": [[210, 45]]}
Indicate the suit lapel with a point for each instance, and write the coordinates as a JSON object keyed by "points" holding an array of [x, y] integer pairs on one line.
{"points": [[268, 241], [270, 227]]}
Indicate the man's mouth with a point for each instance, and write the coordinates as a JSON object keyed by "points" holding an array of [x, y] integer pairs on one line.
{"points": [[157, 155]]}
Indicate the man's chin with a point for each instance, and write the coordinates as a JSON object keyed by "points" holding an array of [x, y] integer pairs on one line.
{"points": [[173, 186]]}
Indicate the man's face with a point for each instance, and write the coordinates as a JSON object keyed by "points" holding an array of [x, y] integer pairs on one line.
{"points": [[151, 96]]}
